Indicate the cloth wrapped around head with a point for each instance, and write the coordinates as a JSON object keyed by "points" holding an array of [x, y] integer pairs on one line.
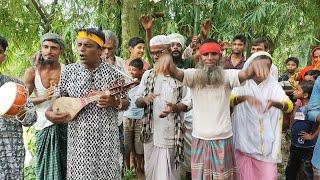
{"points": [[177, 38], [159, 40], [210, 47], [54, 38], [253, 57], [91, 36]]}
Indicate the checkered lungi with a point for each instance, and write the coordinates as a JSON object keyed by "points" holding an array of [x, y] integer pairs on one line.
{"points": [[212, 159], [51, 152]]}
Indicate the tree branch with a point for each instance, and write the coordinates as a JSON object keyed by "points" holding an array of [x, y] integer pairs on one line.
{"points": [[39, 9]]}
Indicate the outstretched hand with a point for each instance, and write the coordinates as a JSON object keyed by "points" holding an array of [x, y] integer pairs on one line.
{"points": [[149, 98], [146, 22], [206, 27], [166, 66], [260, 68], [170, 107], [268, 106]]}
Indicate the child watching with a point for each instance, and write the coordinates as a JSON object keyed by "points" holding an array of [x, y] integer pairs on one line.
{"points": [[302, 141], [311, 75], [292, 64], [133, 122]]}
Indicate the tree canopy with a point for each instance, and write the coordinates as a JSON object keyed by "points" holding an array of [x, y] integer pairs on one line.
{"points": [[291, 26]]}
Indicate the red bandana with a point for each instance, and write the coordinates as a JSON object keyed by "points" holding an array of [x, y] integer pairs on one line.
{"points": [[209, 48]]}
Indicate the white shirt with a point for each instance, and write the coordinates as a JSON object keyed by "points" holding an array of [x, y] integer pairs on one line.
{"points": [[258, 133], [167, 88], [211, 106], [40, 90]]}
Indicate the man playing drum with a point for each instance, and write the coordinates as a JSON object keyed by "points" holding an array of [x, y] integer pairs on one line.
{"points": [[51, 139], [11, 141], [93, 135]]}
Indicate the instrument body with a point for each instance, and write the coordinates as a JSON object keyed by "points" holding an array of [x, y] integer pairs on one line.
{"points": [[13, 98], [74, 105]]}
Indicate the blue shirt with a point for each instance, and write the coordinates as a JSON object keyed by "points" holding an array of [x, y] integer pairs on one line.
{"points": [[133, 112], [301, 124], [313, 111]]}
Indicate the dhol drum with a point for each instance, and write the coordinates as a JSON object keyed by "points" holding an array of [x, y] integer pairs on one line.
{"points": [[13, 98]]}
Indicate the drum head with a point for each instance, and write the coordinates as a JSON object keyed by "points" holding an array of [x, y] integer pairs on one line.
{"points": [[8, 93]]}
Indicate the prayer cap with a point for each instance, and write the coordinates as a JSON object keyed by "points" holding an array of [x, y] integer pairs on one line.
{"points": [[53, 37], [160, 40], [177, 38]]}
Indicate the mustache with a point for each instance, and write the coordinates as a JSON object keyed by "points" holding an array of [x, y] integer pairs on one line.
{"points": [[46, 61]]}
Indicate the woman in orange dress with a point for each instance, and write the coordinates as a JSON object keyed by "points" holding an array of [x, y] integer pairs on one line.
{"points": [[315, 62]]}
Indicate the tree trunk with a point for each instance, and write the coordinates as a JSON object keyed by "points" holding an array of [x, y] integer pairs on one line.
{"points": [[130, 23]]}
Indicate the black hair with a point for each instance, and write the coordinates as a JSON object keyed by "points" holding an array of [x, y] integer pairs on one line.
{"points": [[96, 32], [135, 41], [263, 41], [240, 37], [137, 63], [209, 41], [314, 73], [293, 59], [3, 43], [307, 86]]}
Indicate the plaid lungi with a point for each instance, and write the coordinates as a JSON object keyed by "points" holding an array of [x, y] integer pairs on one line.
{"points": [[212, 159], [316, 173], [51, 153]]}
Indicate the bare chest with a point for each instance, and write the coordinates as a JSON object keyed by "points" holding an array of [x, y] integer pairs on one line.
{"points": [[50, 77]]}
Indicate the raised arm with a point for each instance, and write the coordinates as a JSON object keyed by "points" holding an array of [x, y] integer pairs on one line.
{"points": [[147, 24]]}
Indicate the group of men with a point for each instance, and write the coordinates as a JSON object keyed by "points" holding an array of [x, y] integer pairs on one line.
{"points": [[205, 142]]}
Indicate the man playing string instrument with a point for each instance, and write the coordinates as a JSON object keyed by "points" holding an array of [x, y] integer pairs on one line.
{"points": [[11, 140], [51, 139], [93, 137]]}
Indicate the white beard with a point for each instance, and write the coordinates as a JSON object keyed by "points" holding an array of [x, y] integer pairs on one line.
{"points": [[208, 76]]}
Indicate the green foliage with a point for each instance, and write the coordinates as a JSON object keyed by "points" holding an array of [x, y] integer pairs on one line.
{"points": [[291, 26], [29, 171], [129, 175]]}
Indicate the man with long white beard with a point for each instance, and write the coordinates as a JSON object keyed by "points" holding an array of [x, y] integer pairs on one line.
{"points": [[212, 152]]}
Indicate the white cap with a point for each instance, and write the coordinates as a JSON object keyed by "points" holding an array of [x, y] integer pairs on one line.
{"points": [[159, 40], [177, 38]]}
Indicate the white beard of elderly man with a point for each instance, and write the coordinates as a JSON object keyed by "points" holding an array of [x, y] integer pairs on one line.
{"points": [[210, 91]]}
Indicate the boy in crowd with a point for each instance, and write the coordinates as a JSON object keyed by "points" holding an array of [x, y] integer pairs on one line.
{"points": [[302, 141], [292, 64], [132, 122], [311, 75]]}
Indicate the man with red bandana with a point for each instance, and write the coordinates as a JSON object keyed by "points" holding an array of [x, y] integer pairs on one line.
{"points": [[212, 152]]}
